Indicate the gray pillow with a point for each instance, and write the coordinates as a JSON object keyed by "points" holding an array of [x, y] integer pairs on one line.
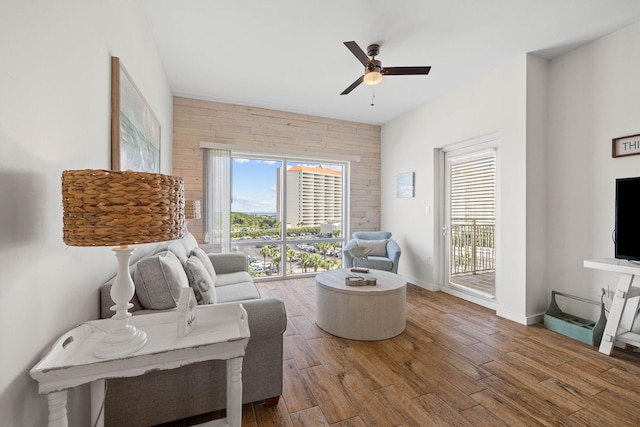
{"points": [[206, 262], [200, 280], [173, 246], [373, 247], [158, 280], [189, 242]]}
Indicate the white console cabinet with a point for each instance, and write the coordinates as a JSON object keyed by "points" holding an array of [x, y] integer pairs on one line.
{"points": [[619, 329]]}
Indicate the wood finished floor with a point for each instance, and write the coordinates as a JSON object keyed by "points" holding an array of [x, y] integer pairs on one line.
{"points": [[456, 364]]}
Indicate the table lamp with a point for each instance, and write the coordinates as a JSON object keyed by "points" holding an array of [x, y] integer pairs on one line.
{"points": [[113, 208], [191, 211]]}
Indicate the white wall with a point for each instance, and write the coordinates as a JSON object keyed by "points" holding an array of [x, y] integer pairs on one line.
{"points": [[55, 115], [493, 103], [556, 176], [594, 94], [537, 296]]}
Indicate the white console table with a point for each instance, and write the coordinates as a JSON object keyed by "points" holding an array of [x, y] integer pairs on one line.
{"points": [[619, 329], [221, 332]]}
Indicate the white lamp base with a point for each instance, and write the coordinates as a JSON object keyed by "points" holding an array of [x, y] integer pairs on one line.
{"points": [[114, 345], [121, 339]]}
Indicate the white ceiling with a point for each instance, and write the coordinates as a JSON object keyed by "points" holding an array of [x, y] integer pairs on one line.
{"points": [[289, 54]]}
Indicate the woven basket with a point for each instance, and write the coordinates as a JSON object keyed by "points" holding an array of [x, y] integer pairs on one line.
{"points": [[110, 208]]}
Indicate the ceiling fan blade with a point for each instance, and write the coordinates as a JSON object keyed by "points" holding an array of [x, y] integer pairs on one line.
{"points": [[358, 52], [404, 71], [353, 86]]}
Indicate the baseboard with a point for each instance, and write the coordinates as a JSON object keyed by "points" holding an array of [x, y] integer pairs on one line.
{"points": [[490, 304], [523, 320], [422, 284]]}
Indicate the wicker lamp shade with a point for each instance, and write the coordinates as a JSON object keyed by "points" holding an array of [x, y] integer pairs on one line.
{"points": [[192, 209], [109, 208]]}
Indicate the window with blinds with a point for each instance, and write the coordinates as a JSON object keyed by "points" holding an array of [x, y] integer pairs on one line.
{"points": [[472, 192], [472, 183]]}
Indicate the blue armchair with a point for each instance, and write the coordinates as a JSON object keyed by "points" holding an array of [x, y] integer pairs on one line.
{"points": [[384, 252]]}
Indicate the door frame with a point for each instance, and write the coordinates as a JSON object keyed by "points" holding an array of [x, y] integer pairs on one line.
{"points": [[470, 146]]}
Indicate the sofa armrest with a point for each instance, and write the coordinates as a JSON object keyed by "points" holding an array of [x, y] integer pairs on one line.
{"points": [[267, 317], [229, 263]]}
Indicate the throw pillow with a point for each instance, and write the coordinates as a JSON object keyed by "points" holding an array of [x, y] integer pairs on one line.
{"points": [[200, 280], [158, 280], [189, 242], [373, 247], [206, 262], [173, 246]]}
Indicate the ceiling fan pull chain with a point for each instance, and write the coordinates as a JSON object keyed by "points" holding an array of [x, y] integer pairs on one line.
{"points": [[373, 96]]}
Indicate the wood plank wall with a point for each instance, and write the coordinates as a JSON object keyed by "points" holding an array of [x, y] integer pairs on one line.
{"points": [[197, 120]]}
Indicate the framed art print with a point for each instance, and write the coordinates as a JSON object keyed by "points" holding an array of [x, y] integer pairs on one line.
{"points": [[405, 185], [626, 146], [135, 130]]}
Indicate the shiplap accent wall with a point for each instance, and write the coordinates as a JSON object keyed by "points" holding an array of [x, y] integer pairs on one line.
{"points": [[198, 120]]}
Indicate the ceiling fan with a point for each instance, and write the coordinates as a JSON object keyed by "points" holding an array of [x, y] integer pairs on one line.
{"points": [[373, 70]]}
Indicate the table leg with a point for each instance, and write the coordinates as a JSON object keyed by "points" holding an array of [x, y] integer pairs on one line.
{"points": [[58, 409], [234, 392], [615, 316], [97, 401]]}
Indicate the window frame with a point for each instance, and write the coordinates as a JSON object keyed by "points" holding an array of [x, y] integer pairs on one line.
{"points": [[287, 157]]}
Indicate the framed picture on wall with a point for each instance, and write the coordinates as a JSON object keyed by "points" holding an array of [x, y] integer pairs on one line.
{"points": [[135, 130], [405, 185], [626, 146]]}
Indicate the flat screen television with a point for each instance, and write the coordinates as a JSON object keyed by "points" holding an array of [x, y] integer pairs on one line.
{"points": [[627, 231]]}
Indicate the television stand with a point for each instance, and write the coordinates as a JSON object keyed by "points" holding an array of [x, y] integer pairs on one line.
{"points": [[619, 327]]}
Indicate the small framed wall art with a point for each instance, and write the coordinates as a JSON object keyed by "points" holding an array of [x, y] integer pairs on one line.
{"points": [[405, 185], [625, 146], [135, 130]]}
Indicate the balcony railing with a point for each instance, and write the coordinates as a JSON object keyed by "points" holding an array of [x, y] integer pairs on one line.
{"points": [[472, 246]]}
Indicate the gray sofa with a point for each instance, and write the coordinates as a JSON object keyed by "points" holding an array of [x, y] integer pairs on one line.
{"points": [[164, 396]]}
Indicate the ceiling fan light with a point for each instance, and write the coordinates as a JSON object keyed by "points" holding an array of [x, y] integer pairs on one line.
{"points": [[372, 78]]}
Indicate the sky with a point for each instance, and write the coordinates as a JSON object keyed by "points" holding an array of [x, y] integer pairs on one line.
{"points": [[254, 182], [254, 185]]}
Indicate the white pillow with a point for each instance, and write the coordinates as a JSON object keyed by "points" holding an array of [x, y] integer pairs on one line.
{"points": [[173, 246], [200, 280], [373, 247], [206, 262], [189, 242], [158, 280]]}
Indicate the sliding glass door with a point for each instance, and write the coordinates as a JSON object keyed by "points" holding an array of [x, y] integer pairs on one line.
{"points": [[287, 215]]}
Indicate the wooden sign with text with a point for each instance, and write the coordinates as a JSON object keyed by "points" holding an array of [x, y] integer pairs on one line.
{"points": [[626, 146]]}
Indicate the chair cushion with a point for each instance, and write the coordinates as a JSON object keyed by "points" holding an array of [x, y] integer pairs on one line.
{"points": [[373, 247], [378, 263], [158, 280], [200, 280]]}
